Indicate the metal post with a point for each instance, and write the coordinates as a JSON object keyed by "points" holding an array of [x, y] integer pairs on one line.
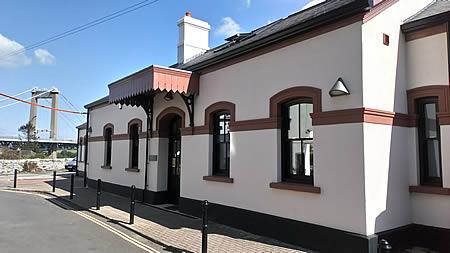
{"points": [[86, 154], [54, 181], [15, 178], [205, 226], [132, 203], [99, 190], [384, 246], [72, 178]]}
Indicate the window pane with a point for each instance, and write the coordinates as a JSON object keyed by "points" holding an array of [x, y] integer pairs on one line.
{"points": [[296, 158], [306, 121], [221, 151], [294, 119], [434, 167], [309, 154], [430, 120]]}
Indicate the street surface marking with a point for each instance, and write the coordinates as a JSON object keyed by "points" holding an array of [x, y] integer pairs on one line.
{"points": [[98, 222]]}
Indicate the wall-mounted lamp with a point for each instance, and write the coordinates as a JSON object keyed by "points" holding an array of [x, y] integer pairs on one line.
{"points": [[120, 106], [90, 130], [339, 89], [168, 96]]}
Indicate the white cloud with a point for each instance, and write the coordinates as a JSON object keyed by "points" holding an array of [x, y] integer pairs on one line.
{"points": [[248, 3], [44, 56], [8, 57], [312, 3], [228, 28]]}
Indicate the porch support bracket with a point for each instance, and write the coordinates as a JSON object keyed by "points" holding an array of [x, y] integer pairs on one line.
{"points": [[189, 101]]}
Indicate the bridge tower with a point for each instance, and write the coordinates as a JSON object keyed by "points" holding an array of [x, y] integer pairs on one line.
{"points": [[45, 94]]}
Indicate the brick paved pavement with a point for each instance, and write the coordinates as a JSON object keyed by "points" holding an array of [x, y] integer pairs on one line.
{"points": [[165, 228]]}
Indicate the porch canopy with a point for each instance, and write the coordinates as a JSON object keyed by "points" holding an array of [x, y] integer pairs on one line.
{"points": [[136, 89], [140, 88]]}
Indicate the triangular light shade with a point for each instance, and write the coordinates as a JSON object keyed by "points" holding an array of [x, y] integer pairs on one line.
{"points": [[339, 89]]}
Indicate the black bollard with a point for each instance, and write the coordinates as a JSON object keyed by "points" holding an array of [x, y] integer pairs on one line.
{"points": [[15, 178], [54, 181], [99, 190], [205, 226], [132, 203], [72, 178], [384, 246]]}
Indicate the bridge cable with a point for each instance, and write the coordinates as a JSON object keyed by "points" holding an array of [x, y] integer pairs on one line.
{"points": [[39, 105]]}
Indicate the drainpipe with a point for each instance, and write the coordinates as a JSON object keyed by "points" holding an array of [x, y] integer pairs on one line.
{"points": [[78, 147], [86, 143]]}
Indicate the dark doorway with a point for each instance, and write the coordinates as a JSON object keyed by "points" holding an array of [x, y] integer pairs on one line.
{"points": [[174, 163]]}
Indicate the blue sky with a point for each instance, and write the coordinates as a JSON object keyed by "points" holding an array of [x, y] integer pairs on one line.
{"points": [[82, 65]]}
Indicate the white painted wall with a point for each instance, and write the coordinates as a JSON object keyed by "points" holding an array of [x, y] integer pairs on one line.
{"points": [[316, 62], [427, 61], [430, 210], [384, 67], [119, 163], [390, 153], [157, 170], [255, 163], [386, 169]]}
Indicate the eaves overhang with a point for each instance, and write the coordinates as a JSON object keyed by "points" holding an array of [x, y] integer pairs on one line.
{"points": [[426, 22]]}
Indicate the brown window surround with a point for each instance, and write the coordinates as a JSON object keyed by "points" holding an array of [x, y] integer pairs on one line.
{"points": [[163, 120], [135, 121], [130, 158], [221, 179], [430, 190], [107, 126], [208, 126], [295, 187], [442, 92]]}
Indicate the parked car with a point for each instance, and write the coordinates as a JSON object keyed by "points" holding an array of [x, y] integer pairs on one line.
{"points": [[71, 165]]}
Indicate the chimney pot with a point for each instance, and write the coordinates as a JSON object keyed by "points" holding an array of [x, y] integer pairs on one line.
{"points": [[188, 14]]}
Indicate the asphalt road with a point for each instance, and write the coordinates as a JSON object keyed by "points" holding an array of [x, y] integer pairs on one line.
{"points": [[30, 223]]}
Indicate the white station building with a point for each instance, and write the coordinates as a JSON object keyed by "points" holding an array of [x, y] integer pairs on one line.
{"points": [[328, 129]]}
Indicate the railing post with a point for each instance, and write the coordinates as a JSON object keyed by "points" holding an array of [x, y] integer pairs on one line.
{"points": [[205, 226], [72, 179], [54, 181], [15, 178], [384, 246], [99, 190], [132, 203]]}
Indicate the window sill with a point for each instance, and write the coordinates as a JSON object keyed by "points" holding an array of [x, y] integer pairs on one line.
{"points": [[296, 187], [220, 179], [430, 190], [132, 169], [106, 167]]}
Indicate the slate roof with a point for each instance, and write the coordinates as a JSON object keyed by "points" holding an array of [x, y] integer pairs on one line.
{"points": [[435, 8], [82, 126], [324, 12], [100, 101]]}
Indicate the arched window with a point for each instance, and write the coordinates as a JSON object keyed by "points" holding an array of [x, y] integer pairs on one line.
{"points": [[134, 129], [107, 134], [297, 141], [221, 144]]}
